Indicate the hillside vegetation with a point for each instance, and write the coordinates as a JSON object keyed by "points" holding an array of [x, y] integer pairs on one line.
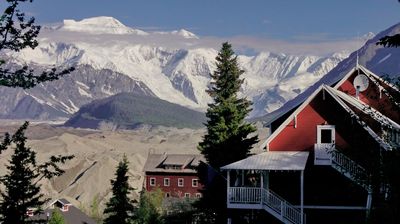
{"points": [[127, 110]]}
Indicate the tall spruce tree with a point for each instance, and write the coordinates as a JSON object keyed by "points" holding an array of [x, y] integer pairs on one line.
{"points": [[228, 138], [120, 209], [21, 188]]}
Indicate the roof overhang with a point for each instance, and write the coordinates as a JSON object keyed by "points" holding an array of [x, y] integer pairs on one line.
{"points": [[272, 160]]}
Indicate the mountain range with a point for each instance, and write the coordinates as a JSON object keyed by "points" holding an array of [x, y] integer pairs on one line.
{"points": [[381, 60], [111, 58]]}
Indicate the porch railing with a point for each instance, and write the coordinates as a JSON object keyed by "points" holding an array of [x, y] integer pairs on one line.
{"points": [[244, 195], [269, 200], [349, 168]]}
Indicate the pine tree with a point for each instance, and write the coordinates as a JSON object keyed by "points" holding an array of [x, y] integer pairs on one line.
{"points": [[56, 217], [17, 32], [120, 209], [21, 189], [227, 139]]}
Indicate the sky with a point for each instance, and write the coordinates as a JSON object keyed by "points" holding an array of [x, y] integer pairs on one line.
{"points": [[292, 21]]}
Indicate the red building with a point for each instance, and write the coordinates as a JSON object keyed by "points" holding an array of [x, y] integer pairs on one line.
{"points": [[174, 174], [328, 146]]}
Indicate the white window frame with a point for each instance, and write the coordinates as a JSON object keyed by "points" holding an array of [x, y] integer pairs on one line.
{"points": [[187, 195], [167, 180], [198, 195], [195, 181], [167, 194], [151, 180], [183, 182], [325, 127]]}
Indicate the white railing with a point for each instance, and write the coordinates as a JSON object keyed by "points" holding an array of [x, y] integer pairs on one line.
{"points": [[244, 195], [350, 168], [270, 201], [284, 209]]}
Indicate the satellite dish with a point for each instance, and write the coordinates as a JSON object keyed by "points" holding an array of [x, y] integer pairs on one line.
{"points": [[361, 82]]}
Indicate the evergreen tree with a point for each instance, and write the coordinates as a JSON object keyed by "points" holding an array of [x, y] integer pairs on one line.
{"points": [[16, 33], [120, 209], [56, 217], [390, 41], [227, 139], [150, 206], [21, 189]]}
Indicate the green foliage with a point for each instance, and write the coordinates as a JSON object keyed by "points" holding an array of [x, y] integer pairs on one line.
{"points": [[228, 135], [227, 139], [56, 217], [17, 32], [21, 189], [129, 110], [390, 41], [120, 209], [95, 210], [150, 208]]}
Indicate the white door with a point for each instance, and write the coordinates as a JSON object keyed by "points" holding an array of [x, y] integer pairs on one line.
{"points": [[325, 142]]}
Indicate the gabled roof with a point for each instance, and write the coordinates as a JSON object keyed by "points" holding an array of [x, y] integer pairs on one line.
{"points": [[335, 82], [368, 73], [277, 160], [62, 201], [332, 92]]}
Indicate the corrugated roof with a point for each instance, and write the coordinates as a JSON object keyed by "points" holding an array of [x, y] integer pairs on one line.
{"points": [[276, 160], [177, 159]]}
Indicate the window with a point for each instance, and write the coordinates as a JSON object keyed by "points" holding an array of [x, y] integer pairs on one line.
{"points": [[180, 182], [167, 195], [195, 182], [198, 195], [166, 182], [152, 181], [187, 195]]}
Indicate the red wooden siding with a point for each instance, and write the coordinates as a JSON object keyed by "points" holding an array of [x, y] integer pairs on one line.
{"points": [[173, 189], [371, 97], [304, 136]]}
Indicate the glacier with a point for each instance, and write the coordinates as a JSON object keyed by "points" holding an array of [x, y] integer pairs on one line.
{"points": [[102, 46]]}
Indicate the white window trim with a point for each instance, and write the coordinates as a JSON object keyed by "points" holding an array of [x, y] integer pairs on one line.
{"points": [[198, 195], [183, 182], [187, 195], [152, 184], [169, 182], [197, 182], [325, 127]]}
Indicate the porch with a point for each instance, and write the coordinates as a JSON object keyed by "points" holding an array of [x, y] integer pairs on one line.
{"points": [[248, 184]]}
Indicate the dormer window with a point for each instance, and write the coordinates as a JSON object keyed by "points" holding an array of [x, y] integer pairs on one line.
{"points": [[173, 167], [62, 204], [65, 208]]}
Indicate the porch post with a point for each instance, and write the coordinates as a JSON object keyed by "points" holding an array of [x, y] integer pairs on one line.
{"points": [[302, 195], [228, 180], [242, 178], [262, 179]]}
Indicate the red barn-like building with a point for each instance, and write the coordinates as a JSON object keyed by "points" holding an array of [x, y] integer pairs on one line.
{"points": [[174, 174], [320, 156]]}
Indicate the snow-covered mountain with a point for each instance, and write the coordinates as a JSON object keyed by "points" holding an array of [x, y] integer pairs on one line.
{"points": [[381, 60], [111, 58]]}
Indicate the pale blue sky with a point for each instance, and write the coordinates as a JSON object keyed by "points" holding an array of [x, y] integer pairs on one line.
{"points": [[293, 20]]}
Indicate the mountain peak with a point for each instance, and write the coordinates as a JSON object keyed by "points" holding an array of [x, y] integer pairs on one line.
{"points": [[184, 33], [99, 25]]}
